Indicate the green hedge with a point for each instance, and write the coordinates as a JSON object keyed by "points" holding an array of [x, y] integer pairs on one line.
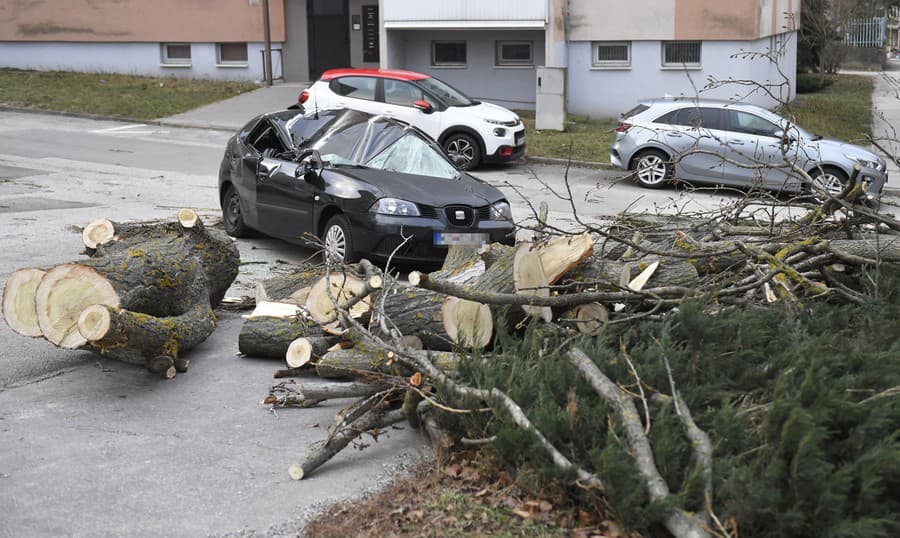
{"points": [[806, 439], [807, 83]]}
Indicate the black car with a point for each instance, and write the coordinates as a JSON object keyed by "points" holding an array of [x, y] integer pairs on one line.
{"points": [[367, 186]]}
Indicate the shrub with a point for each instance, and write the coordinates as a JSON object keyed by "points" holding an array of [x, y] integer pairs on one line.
{"points": [[800, 403], [808, 83]]}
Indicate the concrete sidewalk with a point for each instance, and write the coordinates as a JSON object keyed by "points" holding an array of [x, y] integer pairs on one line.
{"points": [[886, 117], [232, 114]]}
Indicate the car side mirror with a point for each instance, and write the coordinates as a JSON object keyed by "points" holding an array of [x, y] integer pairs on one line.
{"points": [[781, 135], [424, 106], [310, 161]]}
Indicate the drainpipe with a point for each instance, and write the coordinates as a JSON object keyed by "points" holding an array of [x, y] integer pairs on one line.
{"points": [[267, 56]]}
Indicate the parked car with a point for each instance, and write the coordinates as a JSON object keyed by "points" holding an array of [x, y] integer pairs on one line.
{"points": [[740, 145], [478, 131], [366, 185]]}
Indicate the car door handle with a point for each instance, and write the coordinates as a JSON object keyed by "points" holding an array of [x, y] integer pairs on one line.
{"points": [[736, 142]]}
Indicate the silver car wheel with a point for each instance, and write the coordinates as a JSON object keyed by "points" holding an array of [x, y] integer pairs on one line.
{"points": [[461, 146], [651, 169], [335, 244], [829, 183]]}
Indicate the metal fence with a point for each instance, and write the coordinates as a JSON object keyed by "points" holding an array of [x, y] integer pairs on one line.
{"points": [[870, 32]]}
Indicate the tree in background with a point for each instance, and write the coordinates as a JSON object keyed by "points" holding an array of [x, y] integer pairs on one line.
{"points": [[819, 45]]}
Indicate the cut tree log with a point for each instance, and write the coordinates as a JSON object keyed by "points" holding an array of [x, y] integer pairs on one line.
{"points": [[270, 336], [530, 279], [283, 287], [303, 350], [142, 302], [333, 290], [416, 312], [18, 301], [359, 362]]}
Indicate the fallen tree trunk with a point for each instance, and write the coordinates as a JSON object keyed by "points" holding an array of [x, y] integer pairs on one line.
{"points": [[149, 300], [270, 336]]}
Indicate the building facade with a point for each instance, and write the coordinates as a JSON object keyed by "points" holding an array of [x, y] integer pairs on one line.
{"points": [[610, 53]]}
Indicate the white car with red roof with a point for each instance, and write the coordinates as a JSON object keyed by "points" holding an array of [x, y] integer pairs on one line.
{"points": [[476, 131]]}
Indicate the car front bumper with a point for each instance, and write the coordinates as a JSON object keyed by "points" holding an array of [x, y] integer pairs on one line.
{"points": [[412, 239]]}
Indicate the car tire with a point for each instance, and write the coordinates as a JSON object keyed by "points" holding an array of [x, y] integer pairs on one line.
{"points": [[652, 169], [830, 179], [466, 146], [337, 239], [232, 218]]}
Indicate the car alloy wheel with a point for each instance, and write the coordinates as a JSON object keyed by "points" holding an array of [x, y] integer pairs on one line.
{"points": [[829, 182], [466, 147], [652, 169]]}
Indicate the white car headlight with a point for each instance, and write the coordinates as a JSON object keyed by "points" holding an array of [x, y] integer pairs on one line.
{"points": [[495, 122], [501, 211], [864, 162], [395, 206]]}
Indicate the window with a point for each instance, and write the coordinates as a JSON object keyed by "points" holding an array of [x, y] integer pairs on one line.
{"points": [[448, 53], [611, 54], [356, 87], [176, 53], [232, 53], [694, 117], [744, 122], [397, 92], [514, 53], [681, 53]]}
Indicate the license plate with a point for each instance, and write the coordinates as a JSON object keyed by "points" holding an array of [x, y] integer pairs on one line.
{"points": [[453, 238]]}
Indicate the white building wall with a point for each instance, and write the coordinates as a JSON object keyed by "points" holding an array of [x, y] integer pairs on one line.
{"points": [[464, 10], [131, 58], [610, 92], [512, 87]]}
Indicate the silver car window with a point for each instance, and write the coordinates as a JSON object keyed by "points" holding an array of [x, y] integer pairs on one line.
{"points": [[744, 122]]}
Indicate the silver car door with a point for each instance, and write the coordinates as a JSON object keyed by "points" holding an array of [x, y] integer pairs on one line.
{"points": [[697, 141], [756, 153]]}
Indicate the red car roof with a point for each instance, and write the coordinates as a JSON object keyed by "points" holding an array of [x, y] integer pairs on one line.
{"points": [[397, 74]]}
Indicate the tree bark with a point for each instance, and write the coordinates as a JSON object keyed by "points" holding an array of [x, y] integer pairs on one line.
{"points": [[143, 297], [270, 336]]}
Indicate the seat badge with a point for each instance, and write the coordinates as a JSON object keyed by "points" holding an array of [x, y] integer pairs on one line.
{"points": [[460, 215]]}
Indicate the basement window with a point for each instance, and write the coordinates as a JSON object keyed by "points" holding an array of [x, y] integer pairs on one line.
{"points": [[515, 53], [177, 54], [681, 54], [448, 53], [611, 54], [232, 54]]}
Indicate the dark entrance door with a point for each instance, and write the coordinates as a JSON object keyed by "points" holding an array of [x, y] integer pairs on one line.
{"points": [[329, 35]]}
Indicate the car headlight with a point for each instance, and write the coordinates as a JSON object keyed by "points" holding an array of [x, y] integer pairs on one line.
{"points": [[495, 122], [501, 211], [395, 206], [864, 162]]}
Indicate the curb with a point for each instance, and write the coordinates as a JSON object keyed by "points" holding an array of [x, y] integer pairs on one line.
{"points": [[580, 164], [101, 117], [124, 119]]}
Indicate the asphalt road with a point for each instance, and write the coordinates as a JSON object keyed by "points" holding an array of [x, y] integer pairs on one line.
{"points": [[91, 447]]}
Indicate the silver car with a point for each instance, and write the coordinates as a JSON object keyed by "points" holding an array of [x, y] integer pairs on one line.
{"points": [[733, 144]]}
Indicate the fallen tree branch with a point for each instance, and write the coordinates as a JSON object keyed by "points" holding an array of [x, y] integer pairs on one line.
{"points": [[679, 522]]}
